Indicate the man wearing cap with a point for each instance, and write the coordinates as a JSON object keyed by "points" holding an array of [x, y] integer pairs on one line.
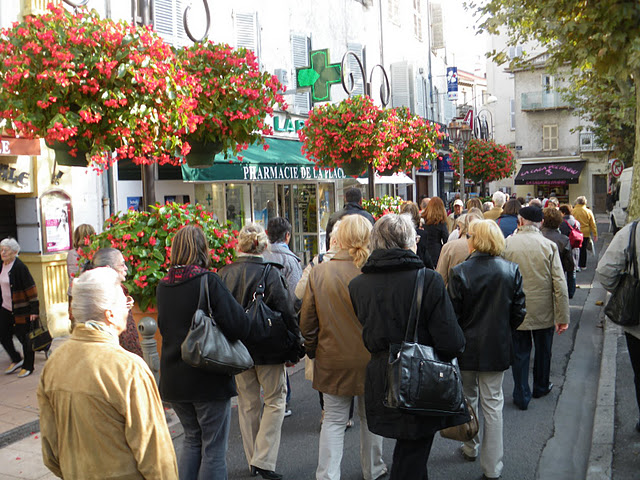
{"points": [[547, 300], [499, 200], [453, 216]]}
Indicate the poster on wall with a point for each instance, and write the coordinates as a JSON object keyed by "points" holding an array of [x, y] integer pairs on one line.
{"points": [[56, 218]]}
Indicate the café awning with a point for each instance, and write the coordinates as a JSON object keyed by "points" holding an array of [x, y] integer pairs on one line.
{"points": [[283, 160], [560, 173]]}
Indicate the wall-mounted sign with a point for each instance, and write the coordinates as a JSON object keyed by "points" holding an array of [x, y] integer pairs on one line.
{"points": [[56, 218], [285, 125], [133, 203], [452, 82], [289, 172], [19, 146], [16, 177], [616, 167], [319, 75]]}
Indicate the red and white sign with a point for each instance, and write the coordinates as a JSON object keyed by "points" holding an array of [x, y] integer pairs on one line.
{"points": [[19, 146], [616, 168]]}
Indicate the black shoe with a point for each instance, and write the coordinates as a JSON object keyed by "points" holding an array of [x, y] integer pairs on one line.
{"points": [[268, 474], [638, 426], [521, 407], [542, 394]]}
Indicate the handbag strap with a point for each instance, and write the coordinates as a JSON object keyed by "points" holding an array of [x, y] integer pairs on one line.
{"points": [[416, 306], [204, 292], [263, 280]]}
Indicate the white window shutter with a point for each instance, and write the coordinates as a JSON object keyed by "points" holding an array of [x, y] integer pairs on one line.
{"points": [[512, 113], [167, 17], [554, 137], [356, 48], [437, 26], [401, 85], [420, 93], [247, 32], [300, 46]]}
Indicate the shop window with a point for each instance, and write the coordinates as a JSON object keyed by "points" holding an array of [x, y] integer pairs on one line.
{"points": [[264, 203], [549, 138], [238, 204], [211, 197]]}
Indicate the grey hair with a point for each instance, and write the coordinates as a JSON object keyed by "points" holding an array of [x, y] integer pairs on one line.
{"points": [[469, 218], [499, 198], [11, 243], [252, 239], [581, 200], [393, 231], [93, 292], [529, 222], [106, 257]]}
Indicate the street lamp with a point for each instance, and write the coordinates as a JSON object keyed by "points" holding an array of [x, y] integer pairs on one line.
{"points": [[460, 134]]}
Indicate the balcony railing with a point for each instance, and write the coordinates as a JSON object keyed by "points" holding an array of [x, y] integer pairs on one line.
{"points": [[543, 100], [588, 143]]}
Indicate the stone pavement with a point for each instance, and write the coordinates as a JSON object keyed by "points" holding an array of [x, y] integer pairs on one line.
{"points": [[615, 443]]}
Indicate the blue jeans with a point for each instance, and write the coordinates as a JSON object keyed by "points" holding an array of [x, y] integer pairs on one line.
{"points": [[206, 438], [571, 283], [522, 342]]}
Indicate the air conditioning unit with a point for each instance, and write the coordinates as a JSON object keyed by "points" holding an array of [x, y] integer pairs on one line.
{"points": [[283, 76]]}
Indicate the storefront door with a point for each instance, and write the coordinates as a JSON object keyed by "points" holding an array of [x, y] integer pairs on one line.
{"points": [[8, 226]]}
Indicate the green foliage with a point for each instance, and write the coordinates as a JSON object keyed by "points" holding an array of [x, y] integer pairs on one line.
{"points": [[380, 206]]}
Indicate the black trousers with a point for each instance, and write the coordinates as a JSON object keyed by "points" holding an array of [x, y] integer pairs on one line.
{"points": [[410, 459], [633, 344], [523, 340], [6, 334], [582, 260]]}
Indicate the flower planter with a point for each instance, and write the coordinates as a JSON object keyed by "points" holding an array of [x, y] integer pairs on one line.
{"points": [[202, 154], [354, 169], [63, 157]]}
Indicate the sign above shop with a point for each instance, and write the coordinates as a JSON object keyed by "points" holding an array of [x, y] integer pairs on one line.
{"points": [[15, 177], [285, 125], [19, 146], [289, 172], [319, 75]]}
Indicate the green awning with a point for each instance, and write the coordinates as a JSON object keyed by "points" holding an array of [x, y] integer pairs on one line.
{"points": [[283, 160]]}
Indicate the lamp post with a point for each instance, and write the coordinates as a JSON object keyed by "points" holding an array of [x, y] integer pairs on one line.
{"points": [[460, 134]]}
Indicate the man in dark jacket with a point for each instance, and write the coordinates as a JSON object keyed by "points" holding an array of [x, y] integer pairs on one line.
{"points": [[550, 230], [352, 206]]}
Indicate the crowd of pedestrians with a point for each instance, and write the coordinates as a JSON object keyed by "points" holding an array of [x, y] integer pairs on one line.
{"points": [[496, 286]]}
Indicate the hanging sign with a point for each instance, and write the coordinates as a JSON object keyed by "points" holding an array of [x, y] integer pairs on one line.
{"points": [[452, 82], [319, 75]]}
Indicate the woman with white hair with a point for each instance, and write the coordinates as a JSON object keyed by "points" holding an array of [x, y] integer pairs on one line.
{"points": [[20, 307], [100, 411], [382, 297]]}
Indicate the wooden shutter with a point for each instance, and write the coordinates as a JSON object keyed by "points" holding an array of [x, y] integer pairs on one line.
{"points": [[246, 31], [549, 138], [300, 46], [401, 85], [356, 48], [167, 21]]}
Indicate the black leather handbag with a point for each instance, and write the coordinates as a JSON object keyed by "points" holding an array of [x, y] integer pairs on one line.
{"points": [[418, 380], [39, 337], [206, 346], [275, 337], [623, 307]]}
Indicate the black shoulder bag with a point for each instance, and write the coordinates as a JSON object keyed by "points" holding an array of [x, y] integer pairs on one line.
{"points": [[623, 307], [418, 380], [206, 346]]}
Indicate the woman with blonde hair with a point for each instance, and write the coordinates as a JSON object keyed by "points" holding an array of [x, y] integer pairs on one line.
{"points": [[436, 228], [333, 336], [487, 296], [261, 418], [457, 251]]}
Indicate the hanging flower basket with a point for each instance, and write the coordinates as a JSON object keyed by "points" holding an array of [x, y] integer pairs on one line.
{"points": [[202, 155], [67, 155]]}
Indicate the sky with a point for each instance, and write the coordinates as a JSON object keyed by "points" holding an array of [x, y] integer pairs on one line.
{"points": [[464, 47]]}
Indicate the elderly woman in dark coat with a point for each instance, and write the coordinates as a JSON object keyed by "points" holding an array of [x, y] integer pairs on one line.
{"points": [[382, 298], [486, 293]]}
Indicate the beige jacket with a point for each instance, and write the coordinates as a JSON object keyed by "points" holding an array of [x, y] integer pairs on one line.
{"points": [[587, 221], [543, 279], [493, 214], [453, 253], [331, 330], [101, 416]]}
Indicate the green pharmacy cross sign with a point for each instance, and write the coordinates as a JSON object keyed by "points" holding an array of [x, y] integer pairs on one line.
{"points": [[319, 76]]}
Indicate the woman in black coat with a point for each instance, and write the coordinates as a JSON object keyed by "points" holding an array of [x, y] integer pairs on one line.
{"points": [[202, 400], [411, 209], [487, 296], [382, 298], [436, 228], [261, 416]]}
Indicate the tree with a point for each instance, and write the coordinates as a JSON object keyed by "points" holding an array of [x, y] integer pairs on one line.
{"points": [[588, 36], [485, 161]]}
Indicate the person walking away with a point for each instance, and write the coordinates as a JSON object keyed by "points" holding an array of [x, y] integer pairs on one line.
{"points": [[457, 251], [101, 416], [609, 272], [588, 228], [499, 200], [487, 296], [333, 337], [547, 305], [411, 209], [19, 308], [508, 221], [352, 206], [382, 298], [201, 399], [261, 419], [550, 230], [565, 228], [436, 228]]}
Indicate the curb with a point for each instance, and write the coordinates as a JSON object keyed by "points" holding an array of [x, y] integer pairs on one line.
{"points": [[19, 433]]}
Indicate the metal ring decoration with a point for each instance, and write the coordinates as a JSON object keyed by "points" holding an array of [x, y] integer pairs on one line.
{"points": [[385, 87], [80, 3], [348, 87], [186, 25]]}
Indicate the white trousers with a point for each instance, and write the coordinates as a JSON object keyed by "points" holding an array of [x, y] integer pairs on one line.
{"points": [[336, 416], [487, 388], [261, 425]]}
